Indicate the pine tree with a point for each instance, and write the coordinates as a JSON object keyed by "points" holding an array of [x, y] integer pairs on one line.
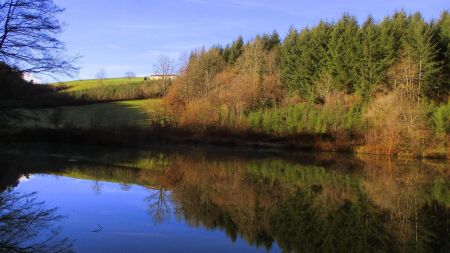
{"points": [[269, 41], [418, 45], [226, 53], [235, 50], [304, 58], [318, 47], [275, 39], [375, 58], [290, 58], [306, 65], [344, 53], [390, 39], [443, 40]]}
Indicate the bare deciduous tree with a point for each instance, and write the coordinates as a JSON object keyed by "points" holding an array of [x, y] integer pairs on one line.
{"points": [[130, 75], [165, 66], [101, 74], [29, 40]]}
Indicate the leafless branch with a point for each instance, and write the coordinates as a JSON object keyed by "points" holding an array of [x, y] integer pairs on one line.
{"points": [[29, 40]]}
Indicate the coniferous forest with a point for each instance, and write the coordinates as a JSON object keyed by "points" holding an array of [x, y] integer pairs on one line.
{"points": [[382, 82]]}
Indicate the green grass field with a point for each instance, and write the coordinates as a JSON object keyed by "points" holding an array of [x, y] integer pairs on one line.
{"points": [[80, 85], [139, 113], [129, 112]]}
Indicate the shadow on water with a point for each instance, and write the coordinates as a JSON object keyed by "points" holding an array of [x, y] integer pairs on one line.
{"points": [[299, 202], [27, 225]]}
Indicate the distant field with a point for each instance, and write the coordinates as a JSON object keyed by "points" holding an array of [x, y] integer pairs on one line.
{"points": [[112, 89], [80, 85], [113, 114]]}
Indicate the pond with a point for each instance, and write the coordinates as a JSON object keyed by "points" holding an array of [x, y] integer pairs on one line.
{"points": [[204, 199]]}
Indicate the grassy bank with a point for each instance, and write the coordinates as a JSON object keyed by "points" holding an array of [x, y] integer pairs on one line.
{"points": [[80, 85], [139, 122], [137, 113], [113, 89]]}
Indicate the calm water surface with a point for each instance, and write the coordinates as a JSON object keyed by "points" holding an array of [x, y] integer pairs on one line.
{"points": [[89, 199]]}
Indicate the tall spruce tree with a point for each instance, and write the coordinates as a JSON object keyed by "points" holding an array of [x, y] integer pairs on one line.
{"points": [[443, 33], [269, 41], [305, 67], [235, 50], [398, 26], [304, 58], [275, 39], [290, 60], [318, 47], [375, 58], [418, 45], [344, 53], [390, 39]]}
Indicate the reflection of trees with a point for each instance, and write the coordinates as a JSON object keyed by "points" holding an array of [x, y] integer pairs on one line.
{"points": [[413, 194], [354, 227], [26, 225], [434, 220], [306, 208], [325, 206], [125, 187], [97, 187], [158, 204], [295, 224]]}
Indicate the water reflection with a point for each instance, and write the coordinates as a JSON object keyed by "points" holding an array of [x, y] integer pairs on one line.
{"points": [[158, 204], [26, 225], [300, 203]]}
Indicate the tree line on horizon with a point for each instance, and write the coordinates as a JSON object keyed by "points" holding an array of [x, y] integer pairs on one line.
{"points": [[387, 80], [356, 58]]}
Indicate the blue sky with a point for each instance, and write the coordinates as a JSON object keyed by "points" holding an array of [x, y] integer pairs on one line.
{"points": [[120, 36]]}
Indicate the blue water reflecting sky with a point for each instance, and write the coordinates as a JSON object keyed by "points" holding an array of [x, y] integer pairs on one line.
{"points": [[122, 215]]}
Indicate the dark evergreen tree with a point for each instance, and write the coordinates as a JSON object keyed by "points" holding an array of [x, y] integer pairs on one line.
{"points": [[226, 53], [235, 50], [306, 65], [443, 42], [375, 58], [269, 41], [398, 26], [304, 57], [275, 39], [290, 60], [390, 39], [418, 45], [344, 53], [318, 48]]}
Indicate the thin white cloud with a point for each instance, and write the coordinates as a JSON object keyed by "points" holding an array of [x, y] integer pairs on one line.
{"points": [[200, 26], [246, 4], [230, 3], [149, 26]]}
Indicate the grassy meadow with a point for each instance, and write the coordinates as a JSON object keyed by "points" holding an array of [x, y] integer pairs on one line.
{"points": [[80, 85], [138, 113], [107, 103], [110, 90]]}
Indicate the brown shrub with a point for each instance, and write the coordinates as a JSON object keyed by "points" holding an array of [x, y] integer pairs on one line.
{"points": [[199, 113], [398, 125]]}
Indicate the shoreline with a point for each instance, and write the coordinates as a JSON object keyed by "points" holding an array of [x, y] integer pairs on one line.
{"points": [[135, 137]]}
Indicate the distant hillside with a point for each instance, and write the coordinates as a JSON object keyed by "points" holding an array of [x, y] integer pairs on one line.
{"points": [[78, 85], [110, 89]]}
